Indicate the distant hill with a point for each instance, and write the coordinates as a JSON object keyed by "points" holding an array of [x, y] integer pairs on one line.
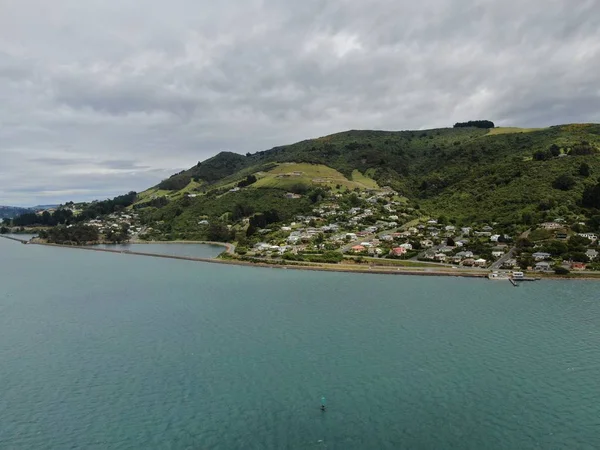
{"points": [[8, 212]]}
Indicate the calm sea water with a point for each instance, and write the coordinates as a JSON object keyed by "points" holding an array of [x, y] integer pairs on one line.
{"points": [[115, 351], [189, 250]]}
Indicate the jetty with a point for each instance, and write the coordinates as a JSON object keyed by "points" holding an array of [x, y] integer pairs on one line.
{"points": [[22, 241]]}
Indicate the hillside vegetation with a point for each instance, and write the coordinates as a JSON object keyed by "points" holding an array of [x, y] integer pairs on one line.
{"points": [[467, 173]]}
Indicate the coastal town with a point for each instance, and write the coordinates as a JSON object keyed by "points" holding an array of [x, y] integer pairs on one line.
{"points": [[378, 227]]}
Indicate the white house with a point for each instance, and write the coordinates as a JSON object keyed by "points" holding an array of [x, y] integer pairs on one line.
{"points": [[497, 254], [543, 266], [540, 256], [592, 254]]}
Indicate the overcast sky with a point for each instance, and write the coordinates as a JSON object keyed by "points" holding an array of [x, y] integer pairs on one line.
{"points": [[99, 97]]}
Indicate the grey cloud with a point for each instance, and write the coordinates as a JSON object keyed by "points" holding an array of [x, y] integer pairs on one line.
{"points": [[104, 97]]}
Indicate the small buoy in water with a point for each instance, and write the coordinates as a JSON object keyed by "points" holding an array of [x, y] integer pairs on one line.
{"points": [[323, 403]]}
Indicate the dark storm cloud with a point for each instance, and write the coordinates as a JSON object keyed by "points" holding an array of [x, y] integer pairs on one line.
{"points": [[101, 97]]}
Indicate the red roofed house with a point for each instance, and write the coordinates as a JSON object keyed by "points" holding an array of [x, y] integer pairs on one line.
{"points": [[578, 266], [358, 248], [398, 251]]}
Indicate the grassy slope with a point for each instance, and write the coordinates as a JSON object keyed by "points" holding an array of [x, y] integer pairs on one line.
{"points": [[510, 130], [284, 176]]}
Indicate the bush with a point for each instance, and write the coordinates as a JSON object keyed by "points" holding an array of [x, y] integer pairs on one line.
{"points": [[564, 182], [561, 271]]}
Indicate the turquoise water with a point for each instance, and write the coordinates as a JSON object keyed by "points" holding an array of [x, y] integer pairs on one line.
{"points": [[188, 250], [117, 351]]}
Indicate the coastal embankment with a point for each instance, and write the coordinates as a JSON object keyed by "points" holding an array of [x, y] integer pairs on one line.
{"points": [[315, 267]]}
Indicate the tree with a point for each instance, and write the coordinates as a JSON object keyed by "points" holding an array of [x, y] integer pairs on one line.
{"points": [[559, 270], [564, 182], [450, 242], [354, 200], [319, 239], [554, 150], [584, 169], [591, 197], [4, 230], [475, 123], [578, 243], [218, 232]]}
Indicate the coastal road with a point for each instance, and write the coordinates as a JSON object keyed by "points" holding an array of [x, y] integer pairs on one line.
{"points": [[498, 264]]}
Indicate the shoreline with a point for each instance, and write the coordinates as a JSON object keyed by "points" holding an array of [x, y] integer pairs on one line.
{"points": [[315, 267]]}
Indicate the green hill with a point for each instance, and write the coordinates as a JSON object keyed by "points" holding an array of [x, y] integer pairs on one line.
{"points": [[468, 174]]}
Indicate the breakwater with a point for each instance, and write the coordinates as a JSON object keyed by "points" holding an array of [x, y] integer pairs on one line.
{"points": [[22, 241]]}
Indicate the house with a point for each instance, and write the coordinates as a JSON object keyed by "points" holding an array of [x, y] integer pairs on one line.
{"points": [[292, 195], [375, 251], [450, 228], [203, 222], [466, 254], [398, 251], [480, 262], [578, 266], [466, 230], [540, 256], [427, 243], [592, 254], [543, 266], [366, 244], [446, 249], [561, 235], [407, 246], [509, 263], [551, 225], [351, 236], [358, 249], [591, 236], [487, 228], [235, 189], [518, 275], [440, 257], [432, 222], [387, 238], [494, 238], [468, 262], [497, 254]]}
